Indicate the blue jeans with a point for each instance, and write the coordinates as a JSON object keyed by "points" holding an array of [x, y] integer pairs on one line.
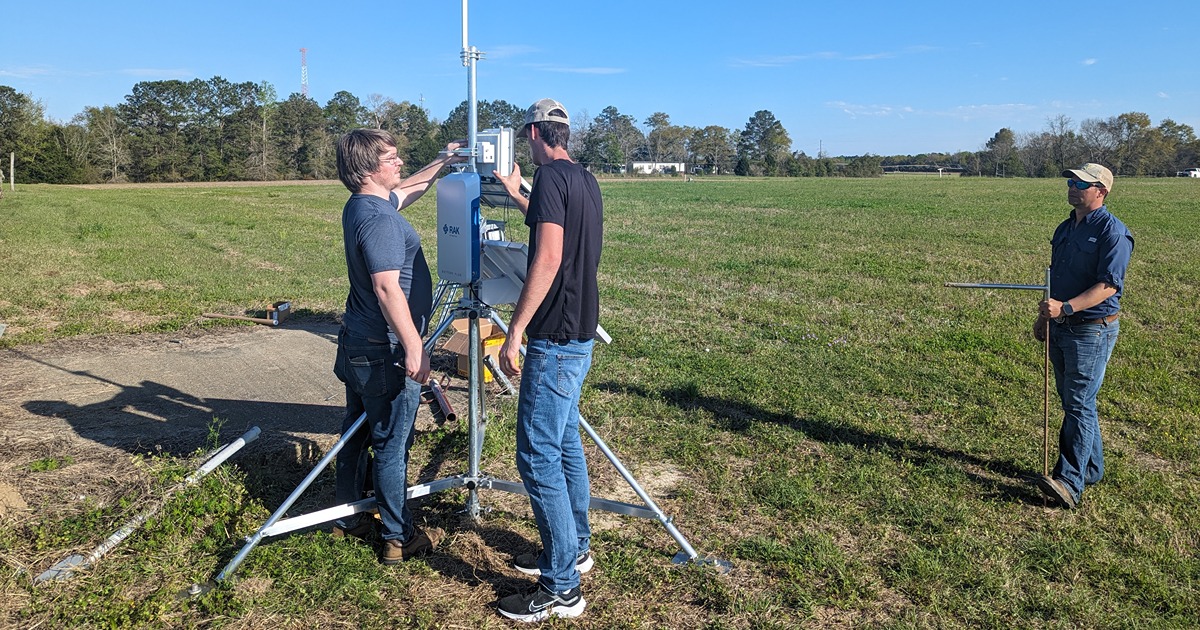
{"points": [[375, 384], [550, 454], [1079, 354]]}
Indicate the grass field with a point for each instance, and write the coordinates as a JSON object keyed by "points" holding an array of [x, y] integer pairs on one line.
{"points": [[853, 437]]}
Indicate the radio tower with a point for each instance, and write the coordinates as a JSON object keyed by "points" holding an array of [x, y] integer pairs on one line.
{"points": [[304, 72]]}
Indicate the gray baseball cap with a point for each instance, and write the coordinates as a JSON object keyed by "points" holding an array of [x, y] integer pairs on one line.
{"points": [[541, 112]]}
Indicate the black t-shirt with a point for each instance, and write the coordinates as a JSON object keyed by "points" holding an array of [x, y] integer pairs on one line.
{"points": [[564, 193]]}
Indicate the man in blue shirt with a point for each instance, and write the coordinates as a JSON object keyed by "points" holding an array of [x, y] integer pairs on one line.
{"points": [[381, 357], [1090, 252]]}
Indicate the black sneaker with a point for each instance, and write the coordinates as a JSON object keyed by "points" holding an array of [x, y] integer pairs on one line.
{"points": [[538, 603], [527, 563]]}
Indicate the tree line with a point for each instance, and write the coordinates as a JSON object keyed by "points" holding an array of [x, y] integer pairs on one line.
{"points": [[1129, 144], [216, 130]]}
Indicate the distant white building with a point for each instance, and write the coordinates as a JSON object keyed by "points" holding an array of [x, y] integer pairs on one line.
{"points": [[657, 168]]}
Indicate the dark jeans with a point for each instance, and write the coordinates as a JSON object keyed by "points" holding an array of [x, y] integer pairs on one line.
{"points": [[376, 384], [1079, 354]]}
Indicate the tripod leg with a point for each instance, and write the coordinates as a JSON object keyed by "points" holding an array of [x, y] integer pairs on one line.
{"points": [[258, 536], [474, 408], [688, 554]]}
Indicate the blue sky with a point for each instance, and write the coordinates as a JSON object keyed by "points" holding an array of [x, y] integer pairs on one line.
{"points": [[849, 77]]}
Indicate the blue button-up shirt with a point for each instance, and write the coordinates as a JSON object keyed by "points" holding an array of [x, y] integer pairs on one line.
{"points": [[1095, 250]]}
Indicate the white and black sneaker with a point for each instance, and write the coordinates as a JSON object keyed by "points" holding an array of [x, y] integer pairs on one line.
{"points": [[527, 563], [538, 603]]}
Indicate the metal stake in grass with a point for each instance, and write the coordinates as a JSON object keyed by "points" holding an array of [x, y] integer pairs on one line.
{"points": [[1045, 359], [67, 566]]}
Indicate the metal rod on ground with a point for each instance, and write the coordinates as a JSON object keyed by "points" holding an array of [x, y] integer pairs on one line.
{"points": [[256, 320], [69, 565], [252, 541], [440, 396]]}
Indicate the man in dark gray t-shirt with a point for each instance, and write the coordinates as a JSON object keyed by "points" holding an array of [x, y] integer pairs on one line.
{"points": [[381, 356]]}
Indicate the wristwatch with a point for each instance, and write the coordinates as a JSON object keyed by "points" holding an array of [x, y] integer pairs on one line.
{"points": [[1067, 311]]}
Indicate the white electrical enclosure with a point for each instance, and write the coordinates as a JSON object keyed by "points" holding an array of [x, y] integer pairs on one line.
{"points": [[494, 151], [458, 227]]}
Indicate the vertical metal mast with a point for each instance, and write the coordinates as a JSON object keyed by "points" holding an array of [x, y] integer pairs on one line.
{"points": [[469, 58]]}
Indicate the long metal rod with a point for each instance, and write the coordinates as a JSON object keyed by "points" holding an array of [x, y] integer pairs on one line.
{"points": [[66, 567], [258, 536], [977, 285], [1045, 288], [1046, 390]]}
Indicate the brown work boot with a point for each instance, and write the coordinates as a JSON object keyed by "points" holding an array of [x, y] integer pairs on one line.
{"points": [[421, 543], [1057, 490], [361, 531]]}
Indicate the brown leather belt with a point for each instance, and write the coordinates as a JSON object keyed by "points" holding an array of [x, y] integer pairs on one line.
{"points": [[1099, 320]]}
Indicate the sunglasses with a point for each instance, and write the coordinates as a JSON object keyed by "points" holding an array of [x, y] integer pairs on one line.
{"points": [[1083, 185]]}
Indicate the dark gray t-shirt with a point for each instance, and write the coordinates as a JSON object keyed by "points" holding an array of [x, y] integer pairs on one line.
{"points": [[377, 238], [564, 193]]}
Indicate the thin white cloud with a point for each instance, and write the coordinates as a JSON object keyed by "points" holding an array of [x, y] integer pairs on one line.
{"points": [[855, 110], [25, 72], [173, 73], [1089, 62], [986, 110], [964, 112], [1163, 95], [872, 56], [776, 61], [506, 51], [578, 70]]}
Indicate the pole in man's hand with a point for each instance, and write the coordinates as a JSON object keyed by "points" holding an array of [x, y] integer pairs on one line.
{"points": [[1045, 356]]}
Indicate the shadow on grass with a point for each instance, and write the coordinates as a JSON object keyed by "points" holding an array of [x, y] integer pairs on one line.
{"points": [[1001, 478]]}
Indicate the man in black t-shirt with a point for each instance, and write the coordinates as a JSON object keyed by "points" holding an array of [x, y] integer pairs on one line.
{"points": [[558, 309]]}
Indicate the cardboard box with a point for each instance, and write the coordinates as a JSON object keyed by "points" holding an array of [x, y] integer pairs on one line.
{"points": [[490, 337]]}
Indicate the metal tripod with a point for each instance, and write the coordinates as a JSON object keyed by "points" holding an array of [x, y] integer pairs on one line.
{"points": [[474, 479]]}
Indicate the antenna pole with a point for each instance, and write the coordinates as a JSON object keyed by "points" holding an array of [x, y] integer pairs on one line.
{"points": [[304, 71], [469, 58]]}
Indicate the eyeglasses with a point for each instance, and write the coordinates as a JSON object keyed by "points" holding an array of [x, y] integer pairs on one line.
{"points": [[1083, 185], [395, 159]]}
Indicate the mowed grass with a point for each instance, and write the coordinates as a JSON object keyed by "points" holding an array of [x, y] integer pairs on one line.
{"points": [[787, 368]]}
